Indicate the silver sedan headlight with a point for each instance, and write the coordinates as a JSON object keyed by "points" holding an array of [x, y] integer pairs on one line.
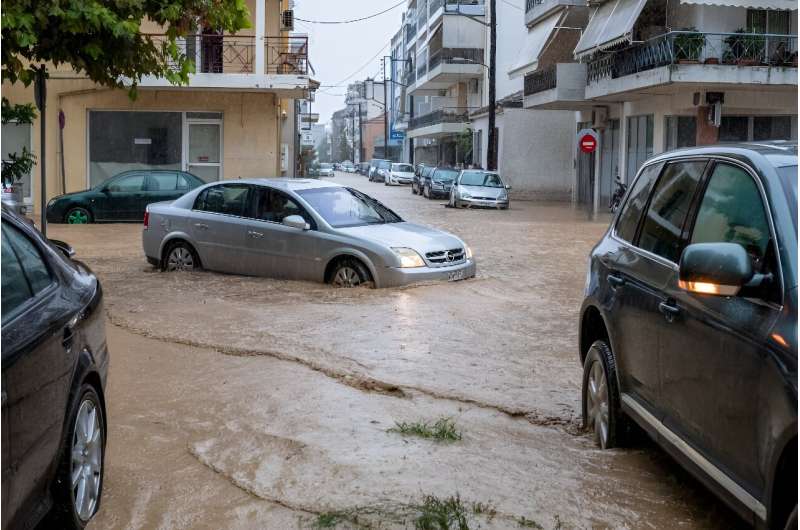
{"points": [[409, 258], [467, 251]]}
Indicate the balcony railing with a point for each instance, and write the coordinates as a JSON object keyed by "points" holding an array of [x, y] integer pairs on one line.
{"points": [[530, 4], [465, 7], [422, 67], [411, 30], [455, 56], [235, 54], [741, 49], [540, 80], [434, 5], [444, 115], [410, 76]]}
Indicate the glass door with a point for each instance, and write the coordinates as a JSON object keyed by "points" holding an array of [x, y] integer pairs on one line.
{"points": [[204, 150]]}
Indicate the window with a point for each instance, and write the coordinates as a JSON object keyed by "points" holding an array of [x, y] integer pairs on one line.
{"points": [[16, 137], [772, 128], [680, 131], [734, 129], [445, 175], [640, 142], [777, 22], [732, 212], [672, 197], [345, 207], [163, 182], [632, 211], [128, 184], [15, 288], [275, 206], [229, 199]]}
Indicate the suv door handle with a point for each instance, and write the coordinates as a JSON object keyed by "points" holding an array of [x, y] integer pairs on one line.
{"points": [[615, 281], [201, 226], [669, 310], [255, 235]]}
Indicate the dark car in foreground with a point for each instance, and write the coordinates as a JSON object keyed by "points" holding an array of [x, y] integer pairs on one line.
{"points": [[689, 324], [54, 368], [436, 184], [123, 197]]}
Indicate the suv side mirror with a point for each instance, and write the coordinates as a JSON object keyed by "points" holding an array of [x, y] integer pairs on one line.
{"points": [[65, 249], [508, 187], [715, 268], [296, 221]]}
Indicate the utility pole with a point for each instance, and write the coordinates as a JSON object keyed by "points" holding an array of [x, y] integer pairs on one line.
{"points": [[385, 114], [360, 136], [491, 155], [40, 95]]}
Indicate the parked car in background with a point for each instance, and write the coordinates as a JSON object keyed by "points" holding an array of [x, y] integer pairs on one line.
{"points": [[363, 168], [12, 198], [326, 170], [123, 197], [54, 370], [476, 188], [382, 168], [399, 174], [300, 230], [437, 183], [348, 167], [689, 323], [418, 179]]}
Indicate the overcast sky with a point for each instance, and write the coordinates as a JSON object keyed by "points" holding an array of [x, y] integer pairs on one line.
{"points": [[336, 51]]}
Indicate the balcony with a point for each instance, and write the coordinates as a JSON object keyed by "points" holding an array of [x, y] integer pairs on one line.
{"points": [[696, 58], [231, 62], [446, 66], [562, 86], [536, 10], [442, 122]]}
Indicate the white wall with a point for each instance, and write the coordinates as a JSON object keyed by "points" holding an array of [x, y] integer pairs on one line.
{"points": [[511, 33]]}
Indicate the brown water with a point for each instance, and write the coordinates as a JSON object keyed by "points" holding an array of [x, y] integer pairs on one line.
{"points": [[255, 403]]}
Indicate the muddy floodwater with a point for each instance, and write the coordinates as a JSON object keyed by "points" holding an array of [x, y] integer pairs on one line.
{"points": [[253, 403]]}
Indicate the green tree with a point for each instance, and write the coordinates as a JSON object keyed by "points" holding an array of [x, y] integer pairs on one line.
{"points": [[102, 39], [342, 148], [17, 165]]}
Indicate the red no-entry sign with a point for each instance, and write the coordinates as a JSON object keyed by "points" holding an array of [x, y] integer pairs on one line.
{"points": [[587, 143]]}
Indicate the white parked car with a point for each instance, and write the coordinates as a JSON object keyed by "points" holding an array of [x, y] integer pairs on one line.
{"points": [[399, 174]]}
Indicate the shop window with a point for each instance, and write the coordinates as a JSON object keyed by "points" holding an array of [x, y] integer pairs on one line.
{"points": [[772, 128], [680, 131], [639, 142], [734, 129]]}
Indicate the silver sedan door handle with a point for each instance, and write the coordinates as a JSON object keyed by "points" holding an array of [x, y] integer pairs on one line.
{"points": [[202, 226], [255, 235]]}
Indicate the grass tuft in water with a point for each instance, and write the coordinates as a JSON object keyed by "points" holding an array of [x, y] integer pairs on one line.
{"points": [[441, 514], [442, 430]]}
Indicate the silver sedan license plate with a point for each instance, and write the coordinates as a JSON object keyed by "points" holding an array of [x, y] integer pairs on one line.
{"points": [[455, 276]]}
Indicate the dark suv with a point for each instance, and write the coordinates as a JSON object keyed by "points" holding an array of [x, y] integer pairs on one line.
{"points": [[436, 184], [54, 370], [689, 323]]}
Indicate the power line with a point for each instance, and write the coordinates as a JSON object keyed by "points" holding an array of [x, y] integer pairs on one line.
{"points": [[352, 20], [363, 66]]}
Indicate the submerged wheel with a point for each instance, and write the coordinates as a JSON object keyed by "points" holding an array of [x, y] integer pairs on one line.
{"points": [[78, 216], [180, 256], [349, 273], [602, 413]]}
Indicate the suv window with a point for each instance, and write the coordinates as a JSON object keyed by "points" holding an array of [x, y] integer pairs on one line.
{"points": [[669, 206], [15, 288], [130, 183], [632, 210], [229, 199], [732, 212], [31, 260]]}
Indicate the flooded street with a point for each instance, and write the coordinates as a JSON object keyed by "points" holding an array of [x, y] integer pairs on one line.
{"points": [[254, 403]]}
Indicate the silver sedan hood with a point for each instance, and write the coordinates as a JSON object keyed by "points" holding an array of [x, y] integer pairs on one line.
{"points": [[409, 235], [482, 191]]}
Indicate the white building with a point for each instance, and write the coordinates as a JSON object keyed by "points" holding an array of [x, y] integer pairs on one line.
{"points": [[653, 75]]}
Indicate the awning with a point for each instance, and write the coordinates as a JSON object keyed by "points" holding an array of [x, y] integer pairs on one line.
{"points": [[610, 24], [749, 4], [533, 46]]}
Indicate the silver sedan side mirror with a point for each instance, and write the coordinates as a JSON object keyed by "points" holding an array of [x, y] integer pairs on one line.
{"points": [[296, 221]]}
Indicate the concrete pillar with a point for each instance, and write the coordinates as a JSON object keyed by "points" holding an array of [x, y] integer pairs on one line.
{"points": [[261, 23], [707, 134]]}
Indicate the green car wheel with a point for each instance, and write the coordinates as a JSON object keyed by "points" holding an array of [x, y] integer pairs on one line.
{"points": [[78, 216]]}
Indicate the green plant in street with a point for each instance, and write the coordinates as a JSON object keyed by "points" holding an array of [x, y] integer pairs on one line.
{"points": [[524, 522], [17, 165], [442, 430], [103, 40], [442, 514], [689, 45]]}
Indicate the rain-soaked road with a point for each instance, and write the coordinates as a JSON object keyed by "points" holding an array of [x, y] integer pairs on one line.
{"points": [[254, 403]]}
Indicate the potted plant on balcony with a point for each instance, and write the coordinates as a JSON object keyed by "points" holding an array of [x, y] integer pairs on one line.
{"points": [[688, 45], [744, 49]]}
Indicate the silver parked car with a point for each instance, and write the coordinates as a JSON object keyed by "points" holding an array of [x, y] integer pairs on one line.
{"points": [[326, 170], [479, 188], [301, 230]]}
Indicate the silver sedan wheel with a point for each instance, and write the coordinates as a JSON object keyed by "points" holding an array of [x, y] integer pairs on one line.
{"points": [[347, 277], [87, 460], [180, 259], [597, 403]]}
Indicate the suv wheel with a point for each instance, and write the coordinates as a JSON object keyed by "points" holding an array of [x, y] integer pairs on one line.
{"points": [[601, 401], [79, 483]]}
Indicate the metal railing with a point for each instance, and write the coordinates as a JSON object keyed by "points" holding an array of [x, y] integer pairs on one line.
{"points": [[741, 49], [433, 5], [236, 54], [466, 7], [411, 30], [540, 80], [455, 56], [410, 76], [530, 4], [443, 115], [422, 66]]}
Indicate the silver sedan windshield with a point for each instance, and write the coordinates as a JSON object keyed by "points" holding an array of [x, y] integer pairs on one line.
{"points": [[479, 178], [345, 207]]}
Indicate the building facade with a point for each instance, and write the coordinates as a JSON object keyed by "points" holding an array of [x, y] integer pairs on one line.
{"points": [[227, 123]]}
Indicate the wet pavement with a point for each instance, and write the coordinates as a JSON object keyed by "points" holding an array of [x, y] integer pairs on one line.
{"points": [[256, 403]]}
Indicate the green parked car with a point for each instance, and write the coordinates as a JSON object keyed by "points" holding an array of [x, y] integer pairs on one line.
{"points": [[123, 197]]}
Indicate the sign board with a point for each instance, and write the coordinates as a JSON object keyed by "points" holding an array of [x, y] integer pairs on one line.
{"points": [[397, 135], [142, 141], [307, 139], [587, 140]]}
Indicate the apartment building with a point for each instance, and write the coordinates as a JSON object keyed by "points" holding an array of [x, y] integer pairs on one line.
{"points": [[226, 124], [654, 75]]}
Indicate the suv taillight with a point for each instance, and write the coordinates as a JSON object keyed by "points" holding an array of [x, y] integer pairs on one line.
{"points": [[146, 219]]}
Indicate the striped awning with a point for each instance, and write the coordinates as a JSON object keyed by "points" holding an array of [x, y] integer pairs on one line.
{"points": [[532, 47], [610, 24]]}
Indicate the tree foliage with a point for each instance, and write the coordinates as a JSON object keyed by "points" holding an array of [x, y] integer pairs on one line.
{"points": [[102, 39], [17, 165]]}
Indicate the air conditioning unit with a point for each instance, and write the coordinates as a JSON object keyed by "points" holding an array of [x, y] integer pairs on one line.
{"points": [[287, 20], [600, 117]]}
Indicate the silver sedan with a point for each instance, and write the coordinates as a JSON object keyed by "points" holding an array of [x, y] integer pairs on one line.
{"points": [[299, 230], [476, 188]]}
